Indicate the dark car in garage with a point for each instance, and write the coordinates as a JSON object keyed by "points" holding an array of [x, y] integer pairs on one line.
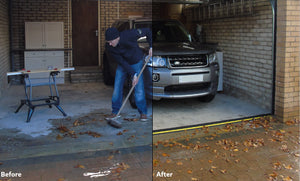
{"points": [[180, 67]]}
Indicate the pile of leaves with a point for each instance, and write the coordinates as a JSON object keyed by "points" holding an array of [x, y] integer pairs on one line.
{"points": [[226, 147], [66, 132]]}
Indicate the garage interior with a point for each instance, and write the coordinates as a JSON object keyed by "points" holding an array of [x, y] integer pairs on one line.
{"points": [[242, 29], [257, 80]]}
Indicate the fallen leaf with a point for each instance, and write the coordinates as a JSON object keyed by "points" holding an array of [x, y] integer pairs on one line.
{"points": [[94, 134], [289, 167], [124, 166], [79, 166], [232, 155], [246, 150], [209, 138], [285, 148], [277, 165], [165, 155], [273, 175], [282, 131], [194, 179], [210, 161], [168, 161], [211, 170], [1, 163], [61, 179], [63, 129], [213, 167], [155, 162], [290, 123], [120, 133], [288, 178], [223, 171], [110, 157], [296, 154], [179, 163], [236, 150], [59, 137], [77, 123]]}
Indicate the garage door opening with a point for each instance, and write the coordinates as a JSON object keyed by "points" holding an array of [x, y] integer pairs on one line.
{"points": [[243, 31]]}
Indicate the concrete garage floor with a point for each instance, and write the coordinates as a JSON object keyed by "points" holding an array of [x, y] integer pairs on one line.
{"points": [[186, 112], [81, 146], [76, 99], [87, 102], [83, 98]]}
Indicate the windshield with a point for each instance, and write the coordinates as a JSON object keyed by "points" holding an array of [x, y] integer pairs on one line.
{"points": [[166, 31]]}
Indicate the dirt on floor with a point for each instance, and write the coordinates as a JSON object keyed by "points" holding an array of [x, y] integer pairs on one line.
{"points": [[81, 133], [255, 150], [80, 148]]}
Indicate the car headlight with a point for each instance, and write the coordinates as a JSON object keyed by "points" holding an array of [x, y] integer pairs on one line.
{"points": [[157, 61], [212, 58]]}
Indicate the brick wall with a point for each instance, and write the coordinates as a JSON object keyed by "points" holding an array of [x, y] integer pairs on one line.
{"points": [[36, 10], [57, 10], [287, 60], [4, 45], [247, 46]]}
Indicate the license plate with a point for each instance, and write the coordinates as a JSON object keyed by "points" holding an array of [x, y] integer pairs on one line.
{"points": [[190, 78]]}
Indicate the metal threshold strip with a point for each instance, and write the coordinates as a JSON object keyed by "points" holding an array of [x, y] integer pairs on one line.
{"points": [[192, 127]]}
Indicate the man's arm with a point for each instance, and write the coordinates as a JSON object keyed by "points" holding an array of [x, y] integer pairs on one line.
{"points": [[140, 32]]}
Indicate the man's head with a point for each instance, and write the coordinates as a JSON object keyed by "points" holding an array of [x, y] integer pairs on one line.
{"points": [[112, 36]]}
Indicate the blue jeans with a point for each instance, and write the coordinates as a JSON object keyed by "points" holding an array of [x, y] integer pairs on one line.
{"points": [[139, 91]]}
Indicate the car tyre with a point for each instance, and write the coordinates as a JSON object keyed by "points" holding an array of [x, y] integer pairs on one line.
{"points": [[107, 77]]}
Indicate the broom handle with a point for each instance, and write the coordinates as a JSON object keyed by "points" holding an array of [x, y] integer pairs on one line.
{"points": [[131, 89]]}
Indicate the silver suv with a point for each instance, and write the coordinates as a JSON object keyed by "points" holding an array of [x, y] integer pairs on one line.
{"points": [[180, 67]]}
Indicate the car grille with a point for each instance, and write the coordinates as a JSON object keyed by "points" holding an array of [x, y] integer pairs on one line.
{"points": [[184, 88], [188, 61]]}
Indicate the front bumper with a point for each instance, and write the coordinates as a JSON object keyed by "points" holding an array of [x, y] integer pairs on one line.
{"points": [[184, 82]]}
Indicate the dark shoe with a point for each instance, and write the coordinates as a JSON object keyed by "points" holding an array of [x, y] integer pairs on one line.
{"points": [[143, 117], [112, 116]]}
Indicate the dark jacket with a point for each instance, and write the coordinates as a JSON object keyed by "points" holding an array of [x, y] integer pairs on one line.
{"points": [[128, 52]]}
